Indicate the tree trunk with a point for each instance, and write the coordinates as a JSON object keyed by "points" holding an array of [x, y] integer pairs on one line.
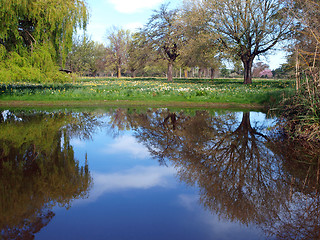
{"points": [[134, 74], [200, 73], [185, 73], [170, 70], [119, 72], [247, 65], [212, 73], [245, 123], [297, 71]]}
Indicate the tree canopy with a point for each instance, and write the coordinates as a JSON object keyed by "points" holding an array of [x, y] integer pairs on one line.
{"points": [[86, 57], [164, 33], [199, 35], [25, 23], [248, 28], [117, 49]]}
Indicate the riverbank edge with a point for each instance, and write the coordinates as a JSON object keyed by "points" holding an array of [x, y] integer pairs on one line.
{"points": [[130, 103]]}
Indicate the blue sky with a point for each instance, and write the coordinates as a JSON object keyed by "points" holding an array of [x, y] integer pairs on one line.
{"points": [[129, 14], [132, 14]]}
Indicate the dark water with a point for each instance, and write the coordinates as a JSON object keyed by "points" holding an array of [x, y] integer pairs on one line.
{"points": [[154, 174]]}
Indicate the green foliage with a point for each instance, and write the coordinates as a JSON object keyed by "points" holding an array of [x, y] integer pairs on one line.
{"points": [[201, 48], [86, 57], [285, 71], [3, 52], [224, 72], [139, 54], [35, 36], [38, 66], [31, 22]]}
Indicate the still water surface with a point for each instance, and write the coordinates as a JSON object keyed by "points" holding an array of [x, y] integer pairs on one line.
{"points": [[154, 174]]}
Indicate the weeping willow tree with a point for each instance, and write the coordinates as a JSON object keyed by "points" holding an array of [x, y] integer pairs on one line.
{"points": [[29, 25]]}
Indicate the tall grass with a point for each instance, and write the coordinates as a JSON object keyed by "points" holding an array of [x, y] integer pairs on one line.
{"points": [[302, 111]]}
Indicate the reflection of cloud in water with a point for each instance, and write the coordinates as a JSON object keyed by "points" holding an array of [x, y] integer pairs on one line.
{"points": [[188, 201], [135, 178], [220, 228], [127, 144]]}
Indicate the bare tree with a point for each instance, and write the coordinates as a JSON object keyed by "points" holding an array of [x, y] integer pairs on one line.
{"points": [[248, 28], [117, 48], [164, 33]]}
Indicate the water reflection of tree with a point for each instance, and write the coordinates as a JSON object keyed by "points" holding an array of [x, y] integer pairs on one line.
{"points": [[38, 169], [244, 174], [299, 217], [231, 162]]}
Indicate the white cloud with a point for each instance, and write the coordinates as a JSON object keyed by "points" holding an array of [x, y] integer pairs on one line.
{"points": [[135, 178], [132, 6], [129, 145]]}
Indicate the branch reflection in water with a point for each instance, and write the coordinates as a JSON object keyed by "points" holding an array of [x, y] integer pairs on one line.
{"points": [[244, 173], [38, 169]]}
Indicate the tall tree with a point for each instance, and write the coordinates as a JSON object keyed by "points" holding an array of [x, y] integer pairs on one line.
{"points": [[117, 48], [201, 49], [248, 28], [139, 53], [164, 33], [86, 57], [202, 52], [25, 23]]}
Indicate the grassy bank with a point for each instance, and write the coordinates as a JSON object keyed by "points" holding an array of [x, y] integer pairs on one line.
{"points": [[143, 91]]}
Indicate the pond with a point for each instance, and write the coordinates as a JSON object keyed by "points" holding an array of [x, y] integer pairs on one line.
{"points": [[154, 174]]}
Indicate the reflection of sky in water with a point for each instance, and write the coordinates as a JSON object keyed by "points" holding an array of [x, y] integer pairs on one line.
{"points": [[136, 178], [134, 198], [106, 153]]}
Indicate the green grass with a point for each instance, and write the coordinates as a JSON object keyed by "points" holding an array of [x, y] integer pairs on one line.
{"points": [[262, 92]]}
